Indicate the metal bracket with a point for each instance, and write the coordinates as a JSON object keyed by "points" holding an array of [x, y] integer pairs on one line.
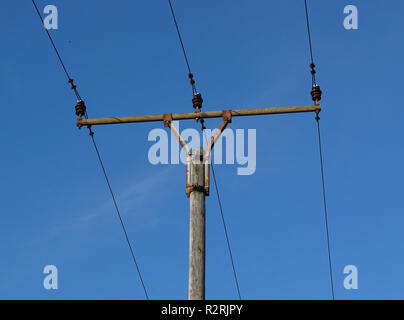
{"points": [[167, 119], [227, 118], [190, 187]]}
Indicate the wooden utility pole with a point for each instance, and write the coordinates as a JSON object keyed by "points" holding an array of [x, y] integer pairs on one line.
{"points": [[197, 174], [197, 227]]}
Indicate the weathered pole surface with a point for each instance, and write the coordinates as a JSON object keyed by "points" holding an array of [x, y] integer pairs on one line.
{"points": [[197, 228]]}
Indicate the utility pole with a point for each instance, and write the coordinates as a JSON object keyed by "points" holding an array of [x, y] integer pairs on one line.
{"points": [[198, 161], [197, 172], [197, 227]]}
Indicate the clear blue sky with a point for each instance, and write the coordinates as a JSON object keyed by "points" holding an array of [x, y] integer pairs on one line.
{"points": [[126, 60]]}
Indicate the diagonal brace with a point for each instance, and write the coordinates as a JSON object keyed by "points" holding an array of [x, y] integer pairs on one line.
{"points": [[167, 119]]}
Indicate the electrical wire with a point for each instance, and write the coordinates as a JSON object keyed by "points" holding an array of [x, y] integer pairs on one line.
{"points": [[96, 150], [224, 222], [71, 81], [313, 73], [325, 207], [190, 74], [57, 52], [317, 88], [203, 127], [119, 214], [226, 233]]}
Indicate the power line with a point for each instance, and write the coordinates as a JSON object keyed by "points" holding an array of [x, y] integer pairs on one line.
{"points": [[57, 52], [51, 40], [190, 74], [119, 214], [308, 30], [316, 95], [313, 72], [74, 88], [325, 206], [226, 233], [316, 91], [224, 223]]}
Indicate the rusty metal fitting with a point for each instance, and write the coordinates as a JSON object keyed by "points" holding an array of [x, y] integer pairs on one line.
{"points": [[167, 118], [202, 123], [90, 131], [226, 115], [80, 108], [197, 101], [191, 78], [71, 81], [191, 189], [78, 123], [313, 71], [197, 115], [318, 115], [316, 93]]}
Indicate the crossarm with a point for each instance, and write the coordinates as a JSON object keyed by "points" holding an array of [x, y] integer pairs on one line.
{"points": [[191, 115]]}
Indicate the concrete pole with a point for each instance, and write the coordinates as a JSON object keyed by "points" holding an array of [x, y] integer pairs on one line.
{"points": [[197, 227]]}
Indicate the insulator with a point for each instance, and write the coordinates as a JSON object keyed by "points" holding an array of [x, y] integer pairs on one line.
{"points": [[197, 101], [316, 93], [80, 108]]}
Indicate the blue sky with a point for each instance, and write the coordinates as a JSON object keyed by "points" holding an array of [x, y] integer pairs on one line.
{"points": [[126, 60]]}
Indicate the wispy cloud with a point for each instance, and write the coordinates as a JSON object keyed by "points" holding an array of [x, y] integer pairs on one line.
{"points": [[135, 203]]}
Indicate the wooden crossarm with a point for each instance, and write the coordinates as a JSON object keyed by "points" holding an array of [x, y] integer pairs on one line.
{"points": [[204, 115]]}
